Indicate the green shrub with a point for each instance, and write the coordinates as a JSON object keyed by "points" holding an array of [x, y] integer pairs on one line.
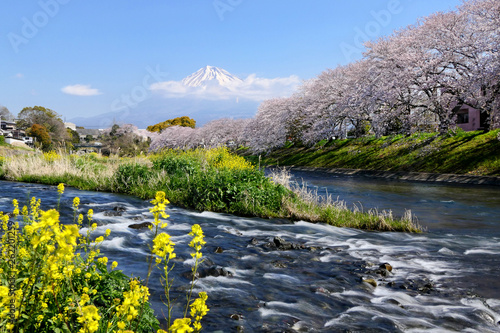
{"points": [[245, 192], [132, 175], [176, 164]]}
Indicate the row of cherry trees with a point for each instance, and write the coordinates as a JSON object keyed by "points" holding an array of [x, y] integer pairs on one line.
{"points": [[213, 134], [418, 78]]}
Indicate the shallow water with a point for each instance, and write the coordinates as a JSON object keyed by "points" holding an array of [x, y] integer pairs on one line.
{"points": [[442, 280]]}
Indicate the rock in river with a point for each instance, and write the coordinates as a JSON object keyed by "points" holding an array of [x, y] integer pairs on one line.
{"points": [[142, 225]]}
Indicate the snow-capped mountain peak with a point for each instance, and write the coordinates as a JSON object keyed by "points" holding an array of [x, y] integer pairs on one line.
{"points": [[210, 74]]}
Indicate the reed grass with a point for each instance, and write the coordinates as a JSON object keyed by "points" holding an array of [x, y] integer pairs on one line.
{"points": [[308, 205]]}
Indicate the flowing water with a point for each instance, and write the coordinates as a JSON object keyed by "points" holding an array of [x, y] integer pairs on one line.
{"points": [[275, 275]]}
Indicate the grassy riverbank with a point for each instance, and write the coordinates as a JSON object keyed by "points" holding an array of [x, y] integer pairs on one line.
{"points": [[212, 180], [471, 153]]}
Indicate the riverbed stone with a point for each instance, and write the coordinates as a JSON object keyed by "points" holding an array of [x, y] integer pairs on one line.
{"points": [[417, 286], [142, 225], [236, 316], [386, 266], [283, 245], [115, 211], [279, 264], [215, 271], [112, 213], [371, 282], [382, 272]]}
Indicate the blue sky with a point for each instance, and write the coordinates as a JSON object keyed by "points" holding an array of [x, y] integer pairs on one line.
{"points": [[85, 58]]}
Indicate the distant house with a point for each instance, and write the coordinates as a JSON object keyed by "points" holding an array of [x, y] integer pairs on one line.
{"points": [[70, 125], [9, 130], [8, 126], [83, 133], [13, 135], [470, 119]]}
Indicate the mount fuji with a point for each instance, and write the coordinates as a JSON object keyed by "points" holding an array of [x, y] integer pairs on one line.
{"points": [[208, 94], [210, 75]]}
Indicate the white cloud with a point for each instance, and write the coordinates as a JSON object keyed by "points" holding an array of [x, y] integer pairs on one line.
{"points": [[252, 88], [80, 90], [19, 75]]}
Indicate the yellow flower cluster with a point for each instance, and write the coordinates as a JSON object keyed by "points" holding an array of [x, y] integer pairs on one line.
{"points": [[51, 156], [158, 210], [181, 325], [199, 309], [40, 266], [47, 283], [221, 158], [133, 299], [4, 301], [163, 247], [197, 242], [89, 318], [60, 188]]}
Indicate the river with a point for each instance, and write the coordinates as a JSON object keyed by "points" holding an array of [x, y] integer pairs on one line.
{"points": [[444, 280]]}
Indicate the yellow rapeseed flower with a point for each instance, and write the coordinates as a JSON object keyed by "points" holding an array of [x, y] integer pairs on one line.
{"points": [[199, 309], [103, 260], [90, 317], [163, 246], [60, 188], [197, 242], [181, 325], [85, 299], [15, 212], [158, 210]]}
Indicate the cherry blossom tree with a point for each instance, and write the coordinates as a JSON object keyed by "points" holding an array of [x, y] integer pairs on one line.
{"points": [[483, 25], [175, 137], [319, 100], [222, 132], [268, 129]]}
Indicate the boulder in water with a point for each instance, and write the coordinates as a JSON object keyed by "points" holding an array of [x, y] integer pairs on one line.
{"points": [[142, 225], [116, 211], [283, 245], [370, 281], [254, 241], [112, 213], [236, 316], [386, 266], [215, 271], [119, 209]]}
